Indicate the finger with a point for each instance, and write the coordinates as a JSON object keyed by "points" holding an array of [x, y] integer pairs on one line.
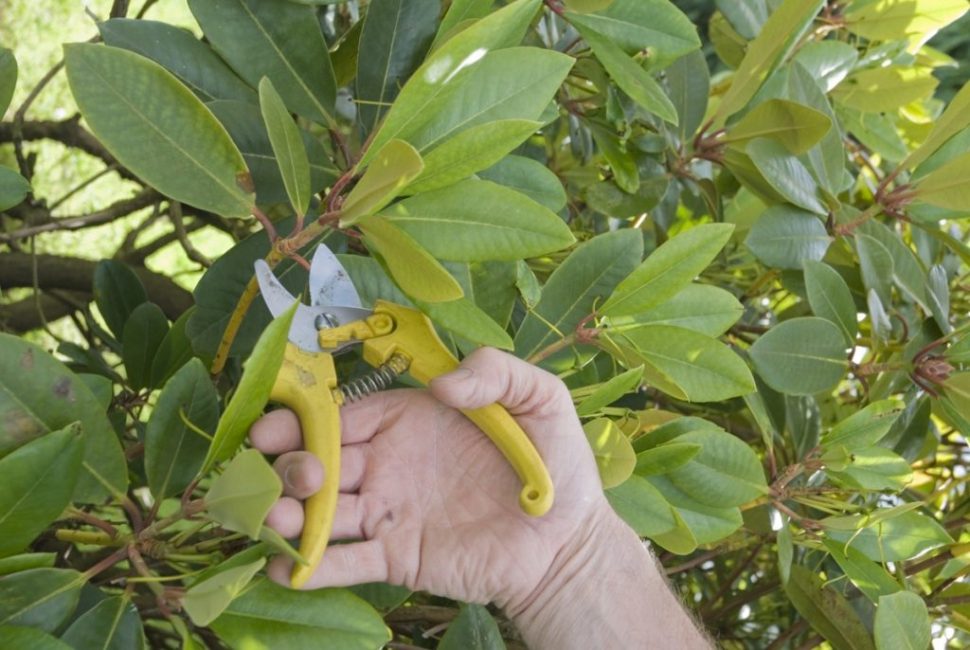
{"points": [[276, 432], [363, 419], [348, 519], [286, 517], [487, 376], [353, 467], [342, 566], [301, 473]]}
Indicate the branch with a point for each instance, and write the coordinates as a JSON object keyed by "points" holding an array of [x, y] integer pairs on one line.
{"points": [[114, 211], [25, 315], [68, 132]]}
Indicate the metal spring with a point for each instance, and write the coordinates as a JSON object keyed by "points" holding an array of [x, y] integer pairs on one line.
{"points": [[374, 381]]}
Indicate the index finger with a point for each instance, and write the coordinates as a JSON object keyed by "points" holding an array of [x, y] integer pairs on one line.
{"points": [[277, 432]]}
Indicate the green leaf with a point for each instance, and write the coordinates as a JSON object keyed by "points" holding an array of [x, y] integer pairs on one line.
{"points": [[828, 61], [642, 506], [655, 26], [786, 551], [282, 41], [38, 480], [786, 174], [876, 265], [181, 53], [205, 601], [826, 610], [947, 186], [954, 119], [393, 168], [396, 35], [908, 272], [878, 90], [14, 636], [417, 272], [614, 456], [446, 69], [173, 450], [704, 369], [699, 307], [144, 331], [871, 578], [626, 175], [627, 73], [371, 281], [117, 292], [706, 524], [471, 151], [587, 6], [157, 128], [874, 469], [13, 188], [460, 12], [779, 35], [802, 356], [529, 177], [665, 458], [8, 79], [473, 629], [830, 298], [252, 392], [39, 394], [786, 237], [725, 473], [885, 20], [241, 497], [381, 595], [797, 127], [610, 391], [689, 86], [477, 220], [112, 624], [464, 318], [864, 428], [173, 352], [891, 540], [588, 275], [287, 145], [938, 297], [902, 620], [668, 269], [25, 561], [39, 598], [283, 619], [245, 124]]}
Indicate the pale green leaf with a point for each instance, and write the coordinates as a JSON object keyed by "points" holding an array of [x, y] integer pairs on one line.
{"points": [[786, 237], [902, 620], [241, 497], [205, 601], [392, 169], [802, 356], [955, 119], [706, 524], [877, 90], [874, 469], [530, 177], [726, 472], [947, 186], [665, 458], [464, 318], [610, 391], [700, 307], [287, 145], [797, 127], [890, 20], [830, 298], [614, 455], [642, 506], [786, 174], [890, 540]]}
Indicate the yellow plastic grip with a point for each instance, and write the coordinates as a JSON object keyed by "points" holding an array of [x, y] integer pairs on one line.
{"points": [[415, 338], [305, 384]]}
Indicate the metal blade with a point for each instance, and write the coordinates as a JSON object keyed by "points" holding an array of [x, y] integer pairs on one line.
{"points": [[330, 284], [277, 297]]}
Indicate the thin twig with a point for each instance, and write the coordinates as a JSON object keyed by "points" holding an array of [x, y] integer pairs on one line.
{"points": [[175, 216]]}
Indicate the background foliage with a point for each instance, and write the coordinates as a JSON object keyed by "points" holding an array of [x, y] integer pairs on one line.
{"points": [[737, 230]]}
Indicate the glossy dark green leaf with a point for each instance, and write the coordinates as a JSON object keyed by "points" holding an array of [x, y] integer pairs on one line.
{"points": [[891, 539], [8, 78], [253, 391], [13, 188], [39, 598], [173, 352], [529, 177], [282, 41], [181, 53], [801, 356], [668, 269], [283, 619], [38, 394], [902, 621], [173, 450], [443, 74], [240, 498], [38, 479], [284, 136], [157, 128], [642, 507], [144, 331], [25, 561], [786, 237], [382, 596], [627, 73], [396, 35], [830, 298], [908, 272], [245, 125], [826, 610], [473, 629], [786, 174], [689, 81], [117, 292], [207, 599], [585, 278], [397, 164], [112, 624], [476, 220], [626, 174], [15, 636]]}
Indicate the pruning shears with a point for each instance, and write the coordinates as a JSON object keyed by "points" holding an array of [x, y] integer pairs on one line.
{"points": [[395, 339]]}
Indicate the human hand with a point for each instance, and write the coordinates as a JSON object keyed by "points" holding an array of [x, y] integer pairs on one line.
{"points": [[432, 501]]}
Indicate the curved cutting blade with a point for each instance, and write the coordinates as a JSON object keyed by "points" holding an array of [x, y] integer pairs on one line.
{"points": [[330, 284]]}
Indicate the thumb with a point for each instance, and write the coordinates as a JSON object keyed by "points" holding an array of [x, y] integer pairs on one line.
{"points": [[487, 376]]}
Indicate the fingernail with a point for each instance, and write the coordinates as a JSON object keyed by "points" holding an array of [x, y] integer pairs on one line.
{"points": [[286, 476]]}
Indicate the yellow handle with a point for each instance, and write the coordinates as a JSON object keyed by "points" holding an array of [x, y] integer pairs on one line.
{"points": [[415, 338], [305, 384]]}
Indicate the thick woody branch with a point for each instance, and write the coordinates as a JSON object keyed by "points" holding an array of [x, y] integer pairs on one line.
{"points": [[25, 315], [114, 211], [68, 132]]}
